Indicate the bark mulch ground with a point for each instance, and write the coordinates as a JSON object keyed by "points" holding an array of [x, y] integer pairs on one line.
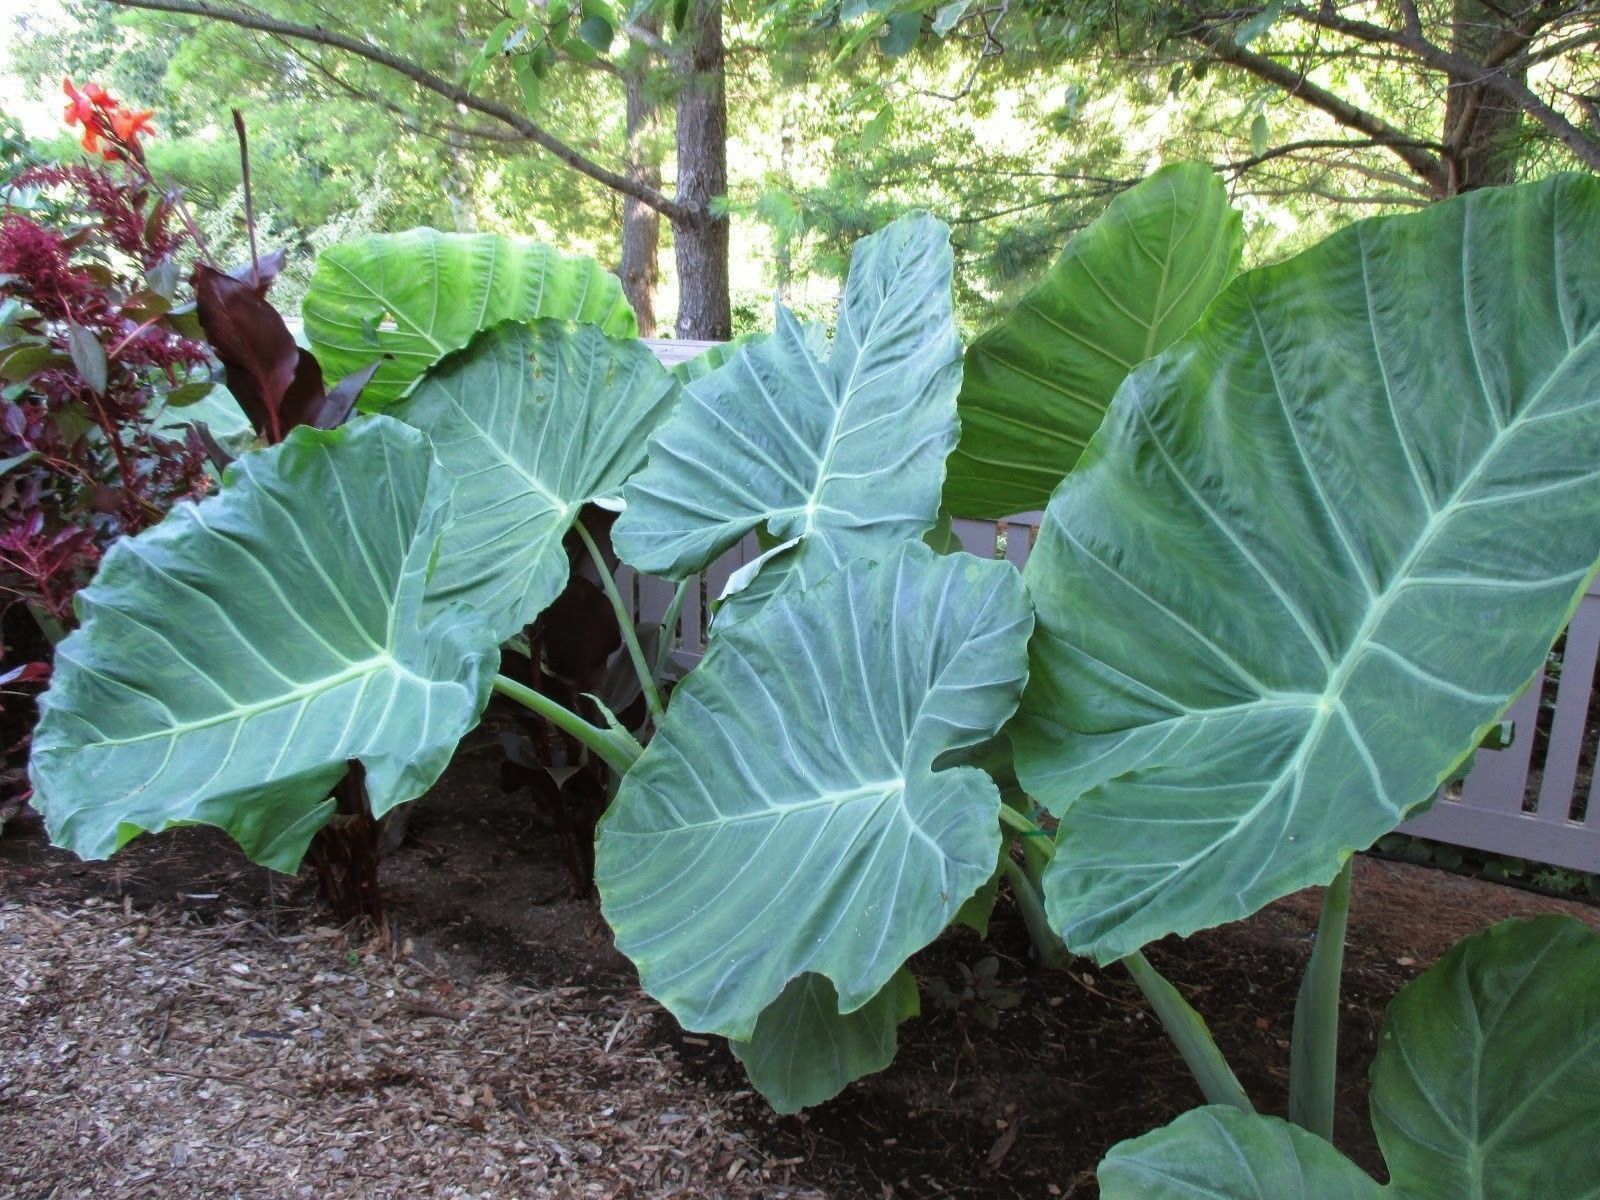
{"points": [[146, 1055], [177, 1023]]}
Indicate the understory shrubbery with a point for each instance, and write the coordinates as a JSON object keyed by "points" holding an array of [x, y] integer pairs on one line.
{"points": [[1307, 530]]}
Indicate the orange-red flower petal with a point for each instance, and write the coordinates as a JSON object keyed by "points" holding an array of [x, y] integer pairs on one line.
{"points": [[129, 125]]}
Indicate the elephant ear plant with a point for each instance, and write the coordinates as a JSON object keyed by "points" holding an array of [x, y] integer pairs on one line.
{"points": [[1300, 571], [1328, 519]]}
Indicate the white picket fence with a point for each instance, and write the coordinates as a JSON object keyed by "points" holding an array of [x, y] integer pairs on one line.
{"points": [[1544, 807]]}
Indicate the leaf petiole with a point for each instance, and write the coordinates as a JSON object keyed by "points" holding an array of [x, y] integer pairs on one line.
{"points": [[630, 635], [615, 746], [1314, 1044]]}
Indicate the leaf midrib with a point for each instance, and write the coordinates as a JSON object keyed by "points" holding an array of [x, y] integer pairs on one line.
{"points": [[303, 693], [1331, 701]]}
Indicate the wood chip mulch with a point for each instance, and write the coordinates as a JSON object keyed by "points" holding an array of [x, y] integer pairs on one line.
{"points": [[148, 1055]]}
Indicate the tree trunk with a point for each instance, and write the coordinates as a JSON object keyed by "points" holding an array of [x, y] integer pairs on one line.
{"points": [[641, 224], [701, 240], [1481, 127]]}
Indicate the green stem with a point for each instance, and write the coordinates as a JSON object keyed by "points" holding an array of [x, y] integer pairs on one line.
{"points": [[1051, 950], [1183, 1024], [669, 625], [613, 745], [1188, 1031], [630, 635], [1023, 825], [1038, 847], [1314, 1045]]}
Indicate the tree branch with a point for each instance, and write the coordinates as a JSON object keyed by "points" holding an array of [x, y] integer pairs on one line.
{"points": [[537, 134], [1584, 148], [1255, 160], [412, 121], [1425, 165]]}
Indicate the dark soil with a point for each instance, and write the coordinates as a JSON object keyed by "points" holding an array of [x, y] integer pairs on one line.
{"points": [[1026, 1109]]}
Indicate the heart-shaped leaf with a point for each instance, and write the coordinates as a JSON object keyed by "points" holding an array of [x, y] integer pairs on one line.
{"points": [[1221, 1153], [532, 423], [794, 813], [233, 659], [804, 1051], [1310, 557], [1486, 1085], [1036, 386], [419, 295], [836, 457], [1487, 1079]]}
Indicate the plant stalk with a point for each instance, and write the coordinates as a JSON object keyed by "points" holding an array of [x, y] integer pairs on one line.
{"points": [[669, 627], [630, 635], [1186, 1027], [1038, 847], [1188, 1031], [614, 746], [1314, 1045], [1052, 951]]}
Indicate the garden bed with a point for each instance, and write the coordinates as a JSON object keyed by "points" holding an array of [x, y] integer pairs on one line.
{"points": [[179, 1024]]}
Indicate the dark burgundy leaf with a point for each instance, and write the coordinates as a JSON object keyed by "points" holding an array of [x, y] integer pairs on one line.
{"points": [[210, 447], [263, 364], [33, 672], [333, 409], [270, 266]]}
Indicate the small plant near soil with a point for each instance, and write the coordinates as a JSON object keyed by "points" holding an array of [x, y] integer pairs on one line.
{"points": [[1307, 531], [978, 996]]}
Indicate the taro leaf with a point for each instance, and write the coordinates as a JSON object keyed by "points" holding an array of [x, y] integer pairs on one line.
{"points": [[710, 359], [717, 356], [1485, 1086], [1487, 1078], [794, 813], [1220, 1153], [835, 457], [1037, 385], [532, 423], [220, 413], [975, 913], [1310, 557], [805, 1051], [421, 294], [235, 657]]}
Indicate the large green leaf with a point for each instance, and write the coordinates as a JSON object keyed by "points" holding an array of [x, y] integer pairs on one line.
{"points": [[1220, 1153], [1486, 1086], [532, 423], [1487, 1079], [794, 813], [715, 357], [234, 658], [836, 457], [1309, 558], [418, 295], [1037, 385], [805, 1051]]}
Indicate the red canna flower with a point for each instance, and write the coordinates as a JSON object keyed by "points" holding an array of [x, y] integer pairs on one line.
{"points": [[129, 125], [88, 107]]}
